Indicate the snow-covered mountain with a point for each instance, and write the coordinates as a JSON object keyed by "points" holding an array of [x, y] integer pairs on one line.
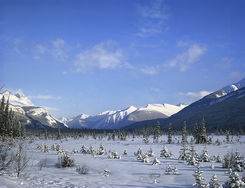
{"points": [[228, 89], [29, 114], [120, 118], [223, 109]]}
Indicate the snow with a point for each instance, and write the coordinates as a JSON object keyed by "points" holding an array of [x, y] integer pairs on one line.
{"points": [[166, 109], [111, 119], [17, 98], [124, 172], [230, 88]]}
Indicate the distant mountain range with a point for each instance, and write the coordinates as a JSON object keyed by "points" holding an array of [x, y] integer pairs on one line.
{"points": [[224, 108], [29, 115], [121, 118]]}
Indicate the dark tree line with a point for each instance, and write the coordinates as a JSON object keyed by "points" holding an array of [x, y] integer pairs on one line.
{"points": [[9, 123]]}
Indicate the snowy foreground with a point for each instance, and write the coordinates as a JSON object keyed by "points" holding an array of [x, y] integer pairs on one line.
{"points": [[124, 172]]}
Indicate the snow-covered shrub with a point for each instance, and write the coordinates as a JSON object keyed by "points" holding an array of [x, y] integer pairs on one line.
{"points": [[145, 159], [138, 152], [74, 150], [205, 157], [235, 181], [115, 155], [156, 162], [92, 151], [168, 170], [139, 157], [84, 149], [125, 152], [193, 157], [65, 161], [183, 152], [150, 153], [39, 146], [214, 182], [45, 148], [211, 166], [238, 162], [106, 172], [164, 152], [175, 171], [58, 147], [53, 147], [199, 179], [101, 150], [218, 159], [82, 170]]}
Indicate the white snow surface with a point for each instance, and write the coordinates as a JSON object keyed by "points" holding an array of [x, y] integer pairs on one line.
{"points": [[167, 109], [125, 172]]}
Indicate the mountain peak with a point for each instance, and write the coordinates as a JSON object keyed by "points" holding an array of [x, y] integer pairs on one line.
{"points": [[18, 98]]}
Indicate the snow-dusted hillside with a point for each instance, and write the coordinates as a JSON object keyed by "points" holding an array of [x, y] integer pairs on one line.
{"points": [[228, 89], [120, 118], [29, 114]]}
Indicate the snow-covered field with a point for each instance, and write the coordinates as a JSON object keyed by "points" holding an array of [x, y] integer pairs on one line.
{"points": [[124, 172]]}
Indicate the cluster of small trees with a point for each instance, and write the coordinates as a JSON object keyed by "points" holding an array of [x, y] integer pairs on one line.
{"points": [[9, 123]]}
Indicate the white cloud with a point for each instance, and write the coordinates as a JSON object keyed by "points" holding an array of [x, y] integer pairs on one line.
{"points": [[151, 70], [102, 56], [152, 18], [45, 97], [59, 49], [184, 60], [195, 95]]}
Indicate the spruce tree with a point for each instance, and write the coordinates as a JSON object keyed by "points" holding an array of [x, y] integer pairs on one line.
{"points": [[184, 133], [170, 133], [203, 135]]}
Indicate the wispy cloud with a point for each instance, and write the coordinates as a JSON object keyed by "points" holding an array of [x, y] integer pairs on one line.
{"points": [[152, 18], [57, 48], [45, 97], [195, 95], [189, 56], [150, 70], [104, 55]]}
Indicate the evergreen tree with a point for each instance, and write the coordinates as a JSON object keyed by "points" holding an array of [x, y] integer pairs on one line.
{"points": [[170, 133], [157, 132], [199, 179], [235, 181], [214, 182], [205, 157], [164, 152], [183, 152], [9, 123], [193, 158], [203, 135], [184, 133], [168, 170]]}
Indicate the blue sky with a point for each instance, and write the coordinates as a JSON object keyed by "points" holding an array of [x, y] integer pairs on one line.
{"points": [[90, 56]]}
